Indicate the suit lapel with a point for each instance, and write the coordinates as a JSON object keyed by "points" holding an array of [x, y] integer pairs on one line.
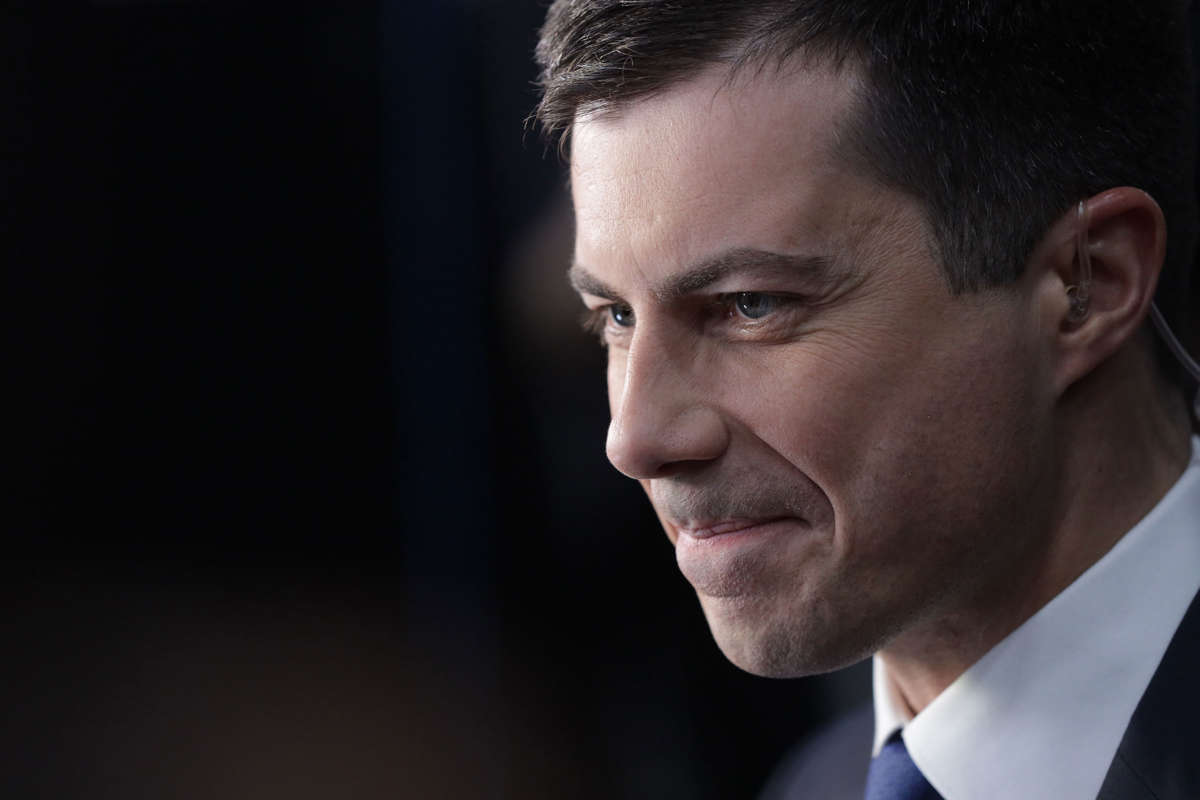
{"points": [[832, 765], [1159, 756]]}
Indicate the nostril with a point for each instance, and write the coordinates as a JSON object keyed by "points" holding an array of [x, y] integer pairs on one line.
{"points": [[655, 443]]}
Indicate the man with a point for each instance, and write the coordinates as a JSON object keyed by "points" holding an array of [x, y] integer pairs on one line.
{"points": [[874, 281]]}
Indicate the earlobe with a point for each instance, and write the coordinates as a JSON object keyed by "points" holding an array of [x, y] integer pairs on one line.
{"points": [[1109, 280]]}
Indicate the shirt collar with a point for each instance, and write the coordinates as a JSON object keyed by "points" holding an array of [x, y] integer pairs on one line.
{"points": [[888, 716], [1042, 713]]}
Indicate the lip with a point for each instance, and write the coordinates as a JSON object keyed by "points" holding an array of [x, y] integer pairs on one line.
{"points": [[737, 557], [708, 530]]}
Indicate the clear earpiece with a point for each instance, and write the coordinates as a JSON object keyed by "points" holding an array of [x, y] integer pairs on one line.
{"points": [[1079, 294], [1177, 348]]}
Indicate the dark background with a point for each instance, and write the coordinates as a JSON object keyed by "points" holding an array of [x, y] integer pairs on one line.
{"points": [[307, 487], [309, 494]]}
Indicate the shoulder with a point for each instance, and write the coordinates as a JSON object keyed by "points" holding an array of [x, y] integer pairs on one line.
{"points": [[829, 765], [1157, 756]]}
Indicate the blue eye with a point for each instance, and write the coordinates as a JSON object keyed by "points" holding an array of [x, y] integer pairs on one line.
{"points": [[621, 314], [754, 305]]}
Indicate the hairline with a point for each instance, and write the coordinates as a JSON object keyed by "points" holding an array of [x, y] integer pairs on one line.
{"points": [[738, 58], [845, 128]]}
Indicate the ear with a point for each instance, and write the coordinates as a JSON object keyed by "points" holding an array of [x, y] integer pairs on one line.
{"points": [[1124, 237]]}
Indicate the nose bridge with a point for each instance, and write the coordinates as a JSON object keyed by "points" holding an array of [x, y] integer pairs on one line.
{"points": [[657, 379], [664, 414]]}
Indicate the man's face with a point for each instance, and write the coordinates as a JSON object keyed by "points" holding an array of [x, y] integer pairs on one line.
{"points": [[838, 448]]}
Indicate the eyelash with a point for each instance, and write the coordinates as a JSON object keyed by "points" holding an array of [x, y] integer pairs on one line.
{"points": [[595, 322], [598, 321]]}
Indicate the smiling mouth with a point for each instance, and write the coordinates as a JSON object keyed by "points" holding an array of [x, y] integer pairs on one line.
{"points": [[707, 530]]}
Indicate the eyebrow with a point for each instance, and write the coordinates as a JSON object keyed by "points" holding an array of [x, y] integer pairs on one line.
{"points": [[738, 261]]}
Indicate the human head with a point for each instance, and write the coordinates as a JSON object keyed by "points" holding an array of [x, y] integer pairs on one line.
{"points": [[998, 116], [895, 436]]}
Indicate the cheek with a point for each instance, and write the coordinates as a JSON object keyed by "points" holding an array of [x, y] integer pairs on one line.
{"points": [[894, 432], [810, 404]]}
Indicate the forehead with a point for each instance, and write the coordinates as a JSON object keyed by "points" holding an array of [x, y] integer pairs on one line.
{"points": [[712, 164]]}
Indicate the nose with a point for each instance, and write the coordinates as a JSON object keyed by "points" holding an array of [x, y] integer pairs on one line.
{"points": [[662, 419]]}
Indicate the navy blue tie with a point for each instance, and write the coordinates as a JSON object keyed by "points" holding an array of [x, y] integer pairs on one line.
{"points": [[893, 775]]}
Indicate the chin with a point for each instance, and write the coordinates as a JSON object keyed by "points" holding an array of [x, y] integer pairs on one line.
{"points": [[774, 643]]}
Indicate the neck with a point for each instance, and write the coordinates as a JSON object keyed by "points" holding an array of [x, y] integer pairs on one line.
{"points": [[1119, 448]]}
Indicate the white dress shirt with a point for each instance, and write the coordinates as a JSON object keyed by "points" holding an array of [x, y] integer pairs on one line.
{"points": [[1040, 716]]}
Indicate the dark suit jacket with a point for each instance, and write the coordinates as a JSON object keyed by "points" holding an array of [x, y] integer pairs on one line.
{"points": [[1158, 758]]}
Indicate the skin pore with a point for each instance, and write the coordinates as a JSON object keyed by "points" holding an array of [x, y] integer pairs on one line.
{"points": [[846, 456]]}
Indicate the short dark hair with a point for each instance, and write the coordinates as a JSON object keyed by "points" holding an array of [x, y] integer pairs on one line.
{"points": [[997, 115]]}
